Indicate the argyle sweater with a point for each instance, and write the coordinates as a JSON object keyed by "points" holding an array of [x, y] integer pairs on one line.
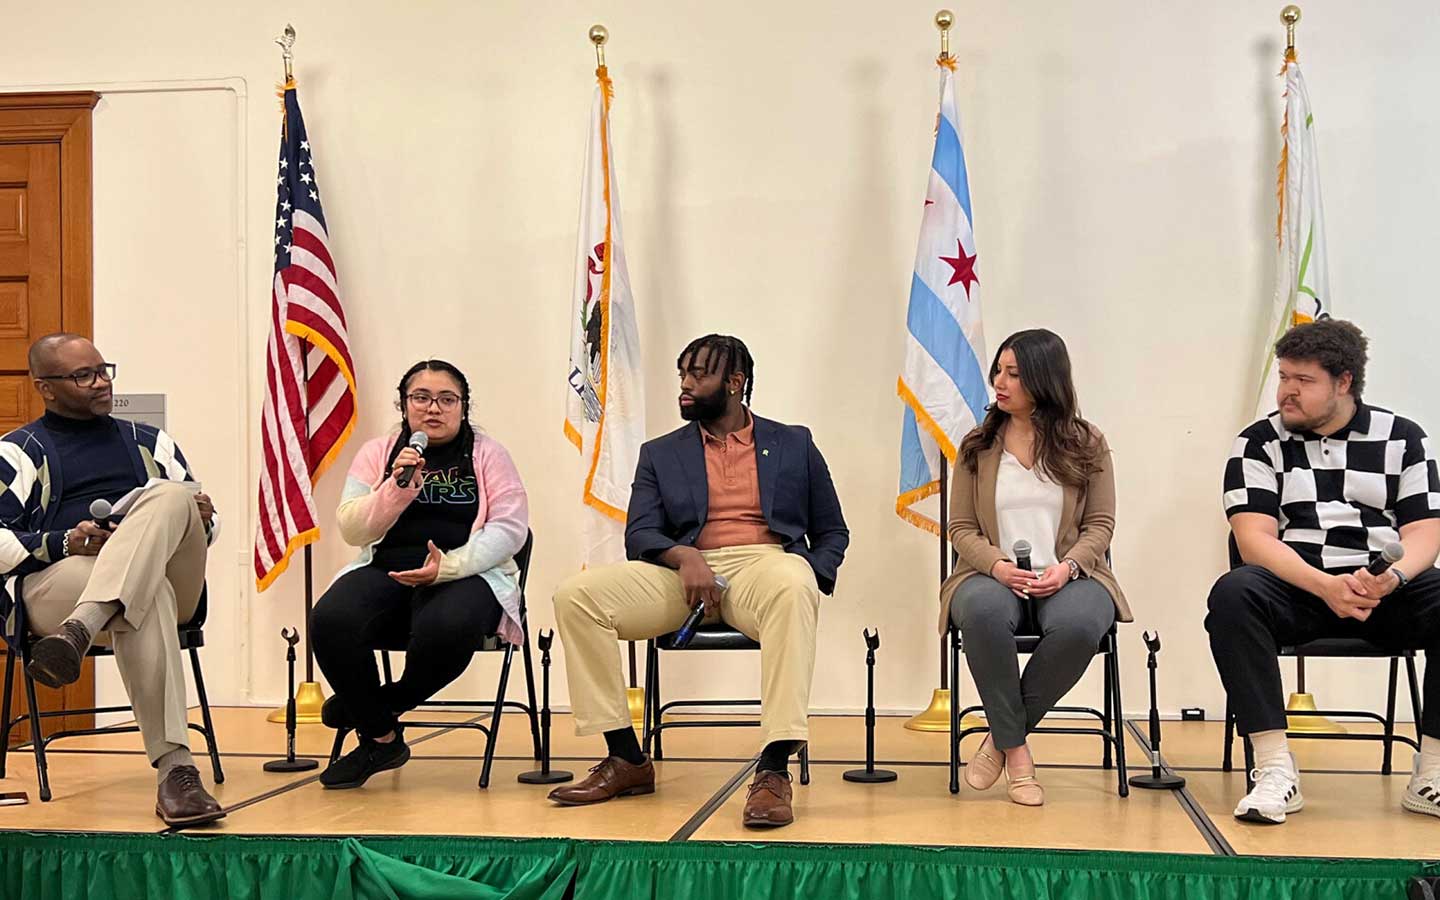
{"points": [[32, 485]]}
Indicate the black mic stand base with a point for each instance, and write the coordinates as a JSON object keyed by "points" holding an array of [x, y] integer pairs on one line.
{"points": [[871, 776], [299, 764], [1158, 781]]}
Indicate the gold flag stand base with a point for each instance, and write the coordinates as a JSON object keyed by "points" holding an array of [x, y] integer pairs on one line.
{"points": [[1305, 703], [936, 717], [635, 698], [308, 700]]}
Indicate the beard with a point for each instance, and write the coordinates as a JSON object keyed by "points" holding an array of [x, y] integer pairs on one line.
{"points": [[706, 406]]}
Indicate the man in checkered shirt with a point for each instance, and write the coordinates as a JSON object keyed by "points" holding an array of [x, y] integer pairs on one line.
{"points": [[1314, 493]]}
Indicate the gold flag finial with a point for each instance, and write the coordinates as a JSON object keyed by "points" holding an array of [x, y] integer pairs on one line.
{"points": [[599, 34], [943, 20], [1290, 16], [287, 43]]}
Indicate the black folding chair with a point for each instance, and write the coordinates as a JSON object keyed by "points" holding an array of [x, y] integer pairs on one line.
{"points": [[1112, 717], [716, 636], [192, 638], [1336, 648], [486, 643]]}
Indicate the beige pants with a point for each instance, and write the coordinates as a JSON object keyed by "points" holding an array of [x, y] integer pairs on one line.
{"points": [[772, 599], [154, 564]]}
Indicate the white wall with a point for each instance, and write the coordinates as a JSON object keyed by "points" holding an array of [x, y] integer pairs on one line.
{"points": [[773, 160]]}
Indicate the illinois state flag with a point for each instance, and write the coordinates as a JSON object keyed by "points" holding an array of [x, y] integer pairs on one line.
{"points": [[943, 382], [605, 402], [1302, 283]]}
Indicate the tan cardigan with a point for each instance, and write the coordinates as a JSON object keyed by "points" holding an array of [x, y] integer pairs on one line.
{"points": [[1087, 522]]}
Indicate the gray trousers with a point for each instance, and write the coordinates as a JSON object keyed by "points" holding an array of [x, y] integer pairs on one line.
{"points": [[154, 564], [1072, 621]]}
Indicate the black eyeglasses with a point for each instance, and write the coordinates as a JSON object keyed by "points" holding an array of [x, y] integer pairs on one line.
{"points": [[421, 400], [86, 377]]}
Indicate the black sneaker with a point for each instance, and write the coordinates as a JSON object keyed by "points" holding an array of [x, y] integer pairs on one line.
{"points": [[371, 757]]}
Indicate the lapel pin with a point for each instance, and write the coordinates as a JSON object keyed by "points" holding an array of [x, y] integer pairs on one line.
{"points": [[765, 452]]}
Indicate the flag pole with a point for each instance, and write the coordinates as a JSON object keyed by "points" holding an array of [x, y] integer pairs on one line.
{"points": [[634, 694], [936, 716], [309, 696]]}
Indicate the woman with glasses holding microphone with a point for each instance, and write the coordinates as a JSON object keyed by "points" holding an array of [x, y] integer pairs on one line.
{"points": [[439, 513]]}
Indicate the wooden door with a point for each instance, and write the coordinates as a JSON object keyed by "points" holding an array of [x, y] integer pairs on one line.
{"points": [[45, 277]]}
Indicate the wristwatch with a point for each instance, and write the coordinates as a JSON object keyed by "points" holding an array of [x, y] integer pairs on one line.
{"points": [[1400, 577], [1074, 568]]}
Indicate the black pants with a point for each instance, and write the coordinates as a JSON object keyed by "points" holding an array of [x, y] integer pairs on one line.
{"points": [[1253, 612], [440, 627]]}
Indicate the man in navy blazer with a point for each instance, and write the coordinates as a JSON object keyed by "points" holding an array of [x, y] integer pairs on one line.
{"points": [[734, 512]]}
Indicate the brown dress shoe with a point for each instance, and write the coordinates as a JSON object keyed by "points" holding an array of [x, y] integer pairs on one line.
{"points": [[183, 800], [55, 660], [768, 803], [614, 777]]}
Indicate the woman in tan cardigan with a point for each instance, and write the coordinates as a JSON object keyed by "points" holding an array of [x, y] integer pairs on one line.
{"points": [[1034, 471]]}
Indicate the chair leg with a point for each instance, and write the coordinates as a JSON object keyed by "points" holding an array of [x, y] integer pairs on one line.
{"points": [[534, 710], [1249, 763], [339, 744], [1227, 759], [659, 732], [385, 666], [1107, 714], [37, 739], [1385, 762], [647, 721], [494, 735], [1415, 689], [5, 715], [1112, 671], [218, 772], [805, 763], [954, 713]]}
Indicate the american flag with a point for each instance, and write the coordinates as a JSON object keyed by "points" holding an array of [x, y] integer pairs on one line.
{"points": [[309, 377]]}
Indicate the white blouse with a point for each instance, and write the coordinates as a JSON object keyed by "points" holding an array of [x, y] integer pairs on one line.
{"points": [[1028, 506]]}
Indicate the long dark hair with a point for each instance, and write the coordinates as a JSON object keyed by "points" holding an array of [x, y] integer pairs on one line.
{"points": [[1067, 448], [465, 438]]}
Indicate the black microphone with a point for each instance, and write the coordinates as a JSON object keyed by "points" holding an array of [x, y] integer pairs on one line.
{"points": [[692, 622], [100, 511], [419, 440], [1392, 554], [1022, 554]]}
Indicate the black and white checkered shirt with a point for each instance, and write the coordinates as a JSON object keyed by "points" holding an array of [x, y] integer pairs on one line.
{"points": [[1339, 499]]}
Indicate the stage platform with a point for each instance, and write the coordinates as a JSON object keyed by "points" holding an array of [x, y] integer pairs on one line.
{"points": [[432, 810]]}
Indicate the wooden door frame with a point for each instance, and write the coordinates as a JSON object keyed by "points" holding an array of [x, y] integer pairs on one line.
{"points": [[64, 118]]}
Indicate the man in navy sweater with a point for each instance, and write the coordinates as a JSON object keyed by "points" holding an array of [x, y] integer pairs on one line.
{"points": [[730, 495], [79, 578]]}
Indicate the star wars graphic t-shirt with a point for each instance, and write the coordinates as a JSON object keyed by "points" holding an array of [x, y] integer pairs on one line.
{"points": [[444, 511]]}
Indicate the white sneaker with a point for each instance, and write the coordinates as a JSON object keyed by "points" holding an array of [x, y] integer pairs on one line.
{"points": [[1422, 794], [1276, 793]]}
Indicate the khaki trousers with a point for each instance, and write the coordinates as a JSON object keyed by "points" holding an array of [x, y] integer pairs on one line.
{"points": [[154, 564], [773, 599]]}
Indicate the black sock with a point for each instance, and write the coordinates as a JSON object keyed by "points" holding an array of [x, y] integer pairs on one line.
{"points": [[623, 744], [776, 756]]}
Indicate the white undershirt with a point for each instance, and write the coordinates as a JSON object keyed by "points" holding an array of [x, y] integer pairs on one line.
{"points": [[1028, 506]]}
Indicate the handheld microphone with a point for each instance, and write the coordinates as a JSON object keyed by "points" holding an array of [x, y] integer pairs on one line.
{"points": [[419, 440], [1392, 554], [100, 511], [687, 631], [1022, 554]]}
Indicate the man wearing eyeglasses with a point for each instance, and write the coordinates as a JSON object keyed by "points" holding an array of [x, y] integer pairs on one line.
{"points": [[79, 578]]}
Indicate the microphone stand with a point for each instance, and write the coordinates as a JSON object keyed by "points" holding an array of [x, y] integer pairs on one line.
{"points": [[1158, 779], [870, 774], [290, 763], [545, 774]]}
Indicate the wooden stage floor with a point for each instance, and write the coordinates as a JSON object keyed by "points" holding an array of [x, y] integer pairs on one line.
{"points": [[103, 784]]}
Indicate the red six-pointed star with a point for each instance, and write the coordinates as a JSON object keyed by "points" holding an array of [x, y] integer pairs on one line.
{"points": [[964, 267]]}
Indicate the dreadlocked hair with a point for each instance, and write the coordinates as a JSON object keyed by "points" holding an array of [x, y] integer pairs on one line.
{"points": [[466, 436], [729, 352]]}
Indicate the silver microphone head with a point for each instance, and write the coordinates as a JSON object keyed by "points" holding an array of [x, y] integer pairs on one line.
{"points": [[721, 583], [419, 440], [1022, 549], [99, 509], [1393, 552]]}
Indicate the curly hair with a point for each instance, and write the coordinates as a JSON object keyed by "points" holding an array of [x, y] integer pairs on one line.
{"points": [[1335, 344], [727, 355]]}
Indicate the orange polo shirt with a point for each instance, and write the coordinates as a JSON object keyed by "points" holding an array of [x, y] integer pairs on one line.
{"points": [[735, 518]]}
